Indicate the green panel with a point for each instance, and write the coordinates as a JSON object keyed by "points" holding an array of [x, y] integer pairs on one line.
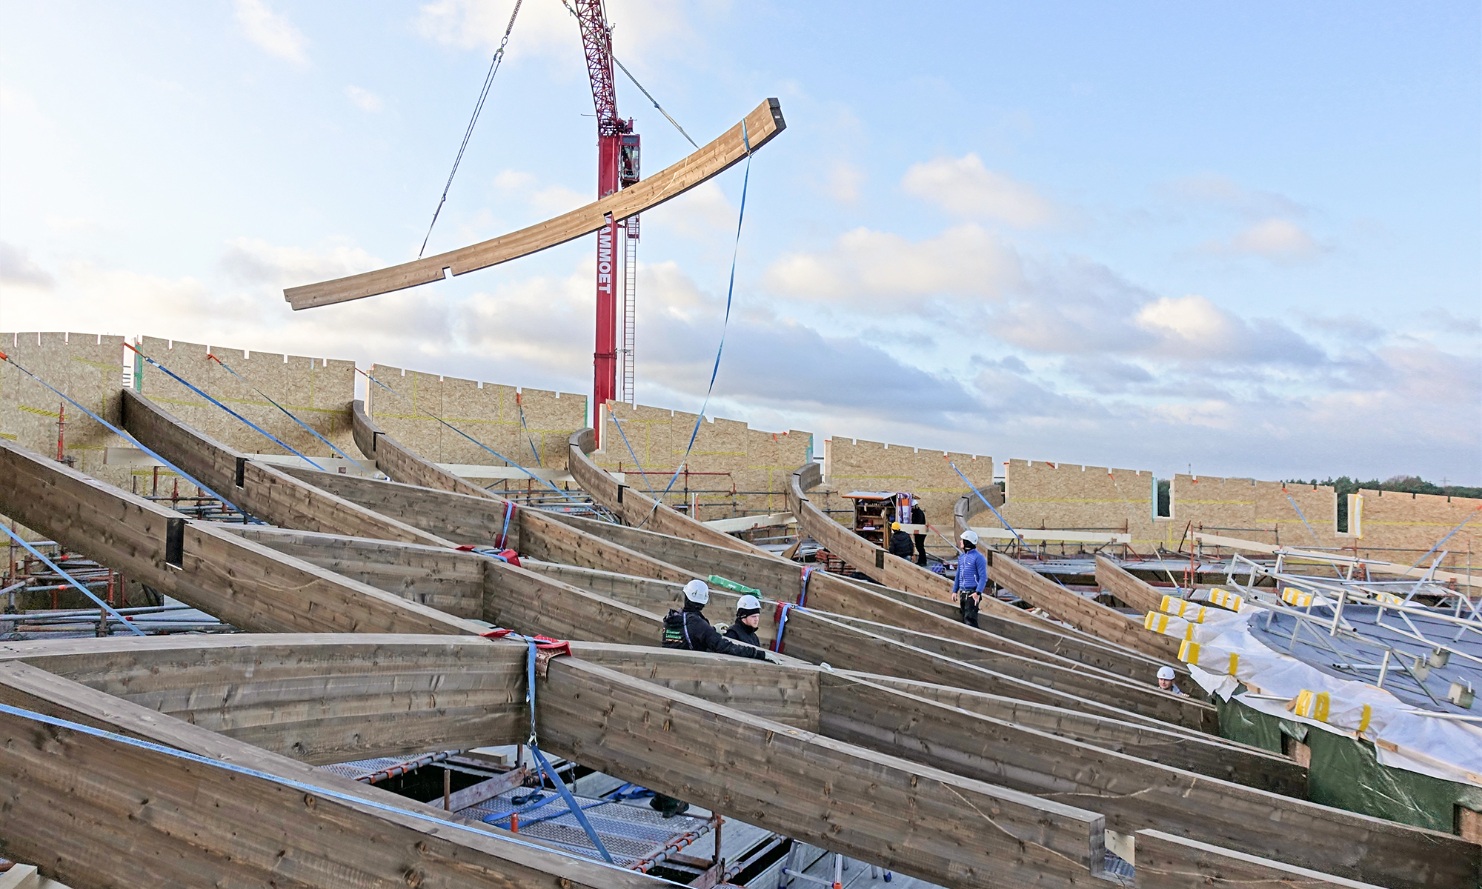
{"points": [[1248, 726], [1346, 774]]}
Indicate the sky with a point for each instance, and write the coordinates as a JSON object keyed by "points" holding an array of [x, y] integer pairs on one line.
{"points": [[1233, 239]]}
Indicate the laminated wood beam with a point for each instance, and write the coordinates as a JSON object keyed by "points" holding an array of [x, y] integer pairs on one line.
{"points": [[1165, 861], [1138, 594], [1080, 612], [262, 490], [239, 581], [639, 509], [1135, 794], [401, 463], [755, 130], [142, 817], [880, 809], [1169, 744]]}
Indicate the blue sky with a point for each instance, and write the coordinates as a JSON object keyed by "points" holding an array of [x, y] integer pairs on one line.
{"points": [[1245, 238]]}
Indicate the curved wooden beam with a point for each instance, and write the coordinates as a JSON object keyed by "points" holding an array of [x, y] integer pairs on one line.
{"points": [[757, 129]]}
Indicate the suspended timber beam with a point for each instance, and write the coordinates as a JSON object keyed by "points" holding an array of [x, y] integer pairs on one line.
{"points": [[1138, 594], [264, 491], [136, 816], [757, 129], [1078, 611]]}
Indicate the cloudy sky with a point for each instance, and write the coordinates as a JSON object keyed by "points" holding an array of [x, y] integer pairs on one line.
{"points": [[1242, 238]]}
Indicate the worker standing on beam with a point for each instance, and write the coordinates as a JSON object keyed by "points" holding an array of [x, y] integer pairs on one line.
{"points": [[971, 578]]}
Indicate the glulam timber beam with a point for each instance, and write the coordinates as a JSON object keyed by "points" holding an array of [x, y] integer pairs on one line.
{"points": [[262, 490], [755, 130], [134, 816], [1165, 861], [239, 581], [1136, 593]]}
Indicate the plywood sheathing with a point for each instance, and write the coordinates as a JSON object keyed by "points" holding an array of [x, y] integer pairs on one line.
{"points": [[88, 368], [485, 411], [316, 390], [1413, 523], [1256, 510], [852, 464], [756, 464], [1072, 497]]}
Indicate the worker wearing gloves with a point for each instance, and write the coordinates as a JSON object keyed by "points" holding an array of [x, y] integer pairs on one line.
{"points": [[900, 542], [971, 578], [748, 618]]}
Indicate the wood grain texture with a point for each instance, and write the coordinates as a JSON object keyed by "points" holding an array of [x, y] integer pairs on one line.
{"points": [[755, 130], [1165, 861], [1136, 593]]}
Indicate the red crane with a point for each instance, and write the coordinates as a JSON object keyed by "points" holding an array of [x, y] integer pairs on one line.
{"points": [[617, 167]]}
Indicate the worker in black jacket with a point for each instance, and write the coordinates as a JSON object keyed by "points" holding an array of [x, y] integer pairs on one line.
{"points": [[688, 629], [900, 542], [918, 517], [748, 618]]}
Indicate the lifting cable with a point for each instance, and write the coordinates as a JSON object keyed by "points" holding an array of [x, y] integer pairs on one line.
{"points": [[1006, 525], [307, 428], [636, 461], [122, 434], [725, 323], [72, 580], [1315, 538], [468, 133], [201, 392], [508, 461], [520, 406]]}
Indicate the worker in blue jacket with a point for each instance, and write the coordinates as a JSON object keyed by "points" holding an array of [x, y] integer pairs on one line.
{"points": [[971, 578]]}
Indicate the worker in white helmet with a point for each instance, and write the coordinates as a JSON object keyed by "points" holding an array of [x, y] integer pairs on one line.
{"points": [[971, 578], [1165, 681], [748, 618]]}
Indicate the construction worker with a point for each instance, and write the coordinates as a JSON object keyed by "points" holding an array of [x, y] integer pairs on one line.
{"points": [[1165, 681], [688, 629], [971, 578], [918, 517], [748, 618], [900, 542]]}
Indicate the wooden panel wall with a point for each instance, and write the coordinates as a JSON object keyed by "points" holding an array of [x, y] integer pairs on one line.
{"points": [[1068, 496]]}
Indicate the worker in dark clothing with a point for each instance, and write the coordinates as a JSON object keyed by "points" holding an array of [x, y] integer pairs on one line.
{"points": [[688, 629], [971, 578], [900, 542], [918, 517], [748, 618]]}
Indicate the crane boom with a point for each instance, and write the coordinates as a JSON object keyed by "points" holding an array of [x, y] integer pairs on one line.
{"points": [[617, 167]]}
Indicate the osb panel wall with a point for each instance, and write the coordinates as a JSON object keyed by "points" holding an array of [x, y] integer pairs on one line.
{"points": [[317, 391], [88, 368], [490, 413], [1071, 497], [1399, 527], [860, 465], [1256, 510], [733, 469]]}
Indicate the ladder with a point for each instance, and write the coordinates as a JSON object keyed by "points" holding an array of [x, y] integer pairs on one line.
{"points": [[630, 314]]}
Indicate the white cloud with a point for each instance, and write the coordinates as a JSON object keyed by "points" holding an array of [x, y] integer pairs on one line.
{"points": [[1191, 319], [271, 32], [843, 182], [546, 28], [18, 270], [1275, 239], [866, 268], [964, 187], [364, 99]]}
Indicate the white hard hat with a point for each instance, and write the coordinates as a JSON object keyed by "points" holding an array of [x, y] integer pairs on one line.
{"points": [[748, 603], [970, 536], [1165, 672], [697, 591]]}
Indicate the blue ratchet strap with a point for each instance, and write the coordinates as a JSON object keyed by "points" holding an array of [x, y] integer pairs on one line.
{"points": [[1006, 525], [509, 511], [307, 428], [122, 434], [545, 765], [636, 461], [72, 580], [256, 428], [730, 292], [803, 593], [519, 406], [783, 609], [475, 441], [314, 789]]}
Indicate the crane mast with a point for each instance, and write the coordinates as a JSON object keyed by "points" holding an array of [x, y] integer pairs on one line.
{"points": [[617, 167]]}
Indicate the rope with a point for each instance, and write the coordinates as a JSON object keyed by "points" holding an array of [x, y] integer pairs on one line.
{"points": [[468, 133], [1006, 525], [475, 441], [520, 406], [201, 392], [725, 323], [307, 428], [122, 434], [316, 790], [72, 580]]}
